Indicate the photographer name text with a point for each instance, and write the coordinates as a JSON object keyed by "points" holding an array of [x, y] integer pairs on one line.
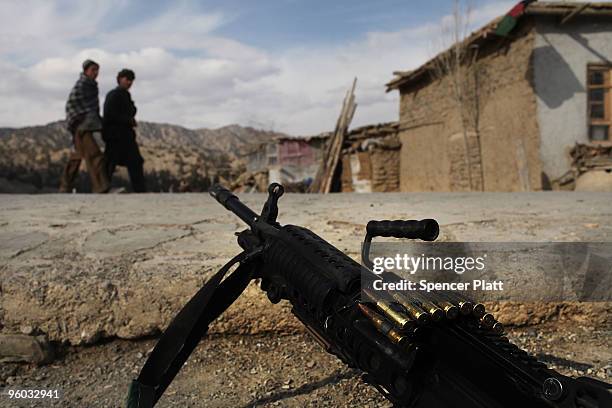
{"points": [[427, 286]]}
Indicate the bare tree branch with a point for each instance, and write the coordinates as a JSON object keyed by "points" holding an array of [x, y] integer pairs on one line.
{"points": [[461, 66]]}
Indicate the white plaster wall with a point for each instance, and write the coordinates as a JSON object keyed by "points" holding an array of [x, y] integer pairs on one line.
{"points": [[560, 58]]}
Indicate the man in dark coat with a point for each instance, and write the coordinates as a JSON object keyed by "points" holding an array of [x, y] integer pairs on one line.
{"points": [[83, 119], [118, 131]]}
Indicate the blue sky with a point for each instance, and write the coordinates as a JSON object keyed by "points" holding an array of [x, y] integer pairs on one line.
{"points": [[284, 23], [281, 65]]}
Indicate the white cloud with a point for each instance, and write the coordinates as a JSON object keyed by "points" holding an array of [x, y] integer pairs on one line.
{"points": [[185, 74]]}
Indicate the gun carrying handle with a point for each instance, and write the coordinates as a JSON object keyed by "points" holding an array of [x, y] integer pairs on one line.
{"points": [[426, 230]]}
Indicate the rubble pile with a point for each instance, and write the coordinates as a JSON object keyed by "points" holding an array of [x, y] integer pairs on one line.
{"points": [[591, 169], [587, 157]]}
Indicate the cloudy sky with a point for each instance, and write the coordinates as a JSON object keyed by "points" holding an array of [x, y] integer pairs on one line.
{"points": [[275, 64]]}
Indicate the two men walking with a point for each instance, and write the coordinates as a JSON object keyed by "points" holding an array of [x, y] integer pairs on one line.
{"points": [[83, 119]]}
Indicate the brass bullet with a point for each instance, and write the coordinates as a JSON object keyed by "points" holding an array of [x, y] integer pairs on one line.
{"points": [[465, 306], [384, 327], [498, 328], [415, 312], [434, 311], [451, 311], [479, 310], [487, 321], [400, 320]]}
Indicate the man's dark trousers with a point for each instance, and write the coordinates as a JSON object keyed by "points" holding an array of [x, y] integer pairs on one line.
{"points": [[135, 172]]}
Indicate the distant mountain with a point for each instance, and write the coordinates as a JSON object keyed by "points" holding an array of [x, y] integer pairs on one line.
{"points": [[236, 139], [176, 158]]}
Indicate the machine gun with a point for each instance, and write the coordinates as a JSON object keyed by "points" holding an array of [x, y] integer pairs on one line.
{"points": [[427, 350]]}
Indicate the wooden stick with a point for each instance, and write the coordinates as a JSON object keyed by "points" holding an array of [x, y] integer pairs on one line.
{"points": [[329, 162], [574, 13]]}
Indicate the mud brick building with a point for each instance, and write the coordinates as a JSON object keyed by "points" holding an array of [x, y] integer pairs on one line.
{"points": [[528, 95], [370, 159], [288, 159], [299, 157]]}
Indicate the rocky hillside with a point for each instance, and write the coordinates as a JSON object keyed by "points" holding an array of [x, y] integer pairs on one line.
{"points": [[176, 158]]}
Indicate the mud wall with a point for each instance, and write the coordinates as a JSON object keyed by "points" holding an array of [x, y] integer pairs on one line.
{"points": [[503, 148]]}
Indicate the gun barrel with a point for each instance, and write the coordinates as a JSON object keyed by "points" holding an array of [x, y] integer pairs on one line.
{"points": [[227, 199]]}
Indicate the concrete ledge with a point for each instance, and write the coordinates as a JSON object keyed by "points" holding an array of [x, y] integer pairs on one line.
{"points": [[79, 268]]}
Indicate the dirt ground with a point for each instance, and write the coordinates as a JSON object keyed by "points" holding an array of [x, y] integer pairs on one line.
{"points": [[267, 368]]}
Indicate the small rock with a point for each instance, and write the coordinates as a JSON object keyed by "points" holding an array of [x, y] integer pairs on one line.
{"points": [[22, 348], [311, 364], [27, 329]]}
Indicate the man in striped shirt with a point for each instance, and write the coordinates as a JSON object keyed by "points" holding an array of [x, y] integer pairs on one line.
{"points": [[83, 119]]}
